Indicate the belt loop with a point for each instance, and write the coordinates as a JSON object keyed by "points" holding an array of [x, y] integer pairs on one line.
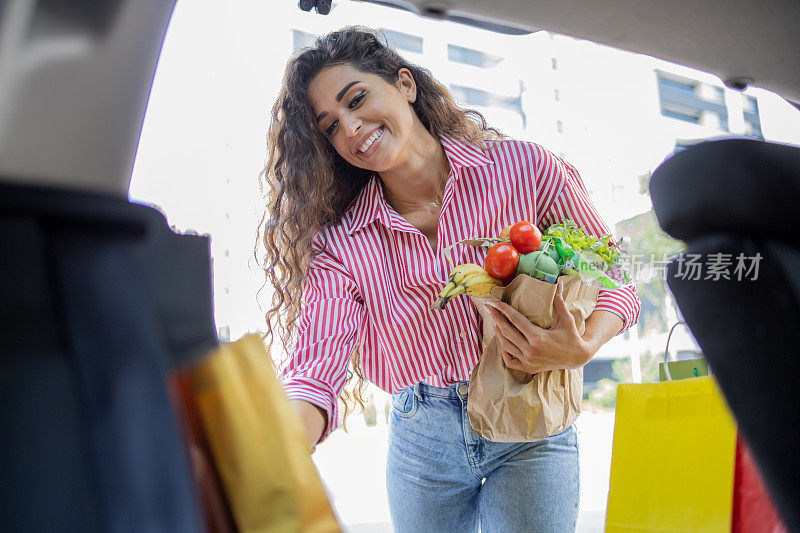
{"points": [[417, 392]]}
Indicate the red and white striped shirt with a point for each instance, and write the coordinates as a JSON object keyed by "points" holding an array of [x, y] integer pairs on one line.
{"points": [[373, 285]]}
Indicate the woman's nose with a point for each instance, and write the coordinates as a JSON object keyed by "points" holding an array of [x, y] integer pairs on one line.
{"points": [[351, 125]]}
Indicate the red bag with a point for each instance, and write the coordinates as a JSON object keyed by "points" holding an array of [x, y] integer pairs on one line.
{"points": [[753, 511]]}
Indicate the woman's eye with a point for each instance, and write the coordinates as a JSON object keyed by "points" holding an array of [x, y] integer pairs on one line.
{"points": [[331, 127], [355, 101]]}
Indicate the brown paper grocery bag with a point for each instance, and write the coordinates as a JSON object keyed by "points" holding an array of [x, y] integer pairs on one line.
{"points": [[506, 405]]}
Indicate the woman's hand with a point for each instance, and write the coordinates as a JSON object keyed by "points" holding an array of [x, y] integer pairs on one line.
{"points": [[532, 349]]}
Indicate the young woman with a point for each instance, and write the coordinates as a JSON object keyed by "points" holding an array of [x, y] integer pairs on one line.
{"points": [[373, 171]]}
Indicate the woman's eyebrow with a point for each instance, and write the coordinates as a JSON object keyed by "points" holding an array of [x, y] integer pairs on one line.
{"points": [[341, 93], [338, 98]]}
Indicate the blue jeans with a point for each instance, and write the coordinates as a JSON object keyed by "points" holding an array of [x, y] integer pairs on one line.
{"points": [[441, 476]]}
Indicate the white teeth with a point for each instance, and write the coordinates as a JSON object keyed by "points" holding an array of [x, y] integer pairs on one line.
{"points": [[371, 139]]}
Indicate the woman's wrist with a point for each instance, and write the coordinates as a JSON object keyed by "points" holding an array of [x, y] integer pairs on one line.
{"points": [[601, 327], [587, 350]]}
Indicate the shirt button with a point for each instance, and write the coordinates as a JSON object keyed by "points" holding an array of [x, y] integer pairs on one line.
{"points": [[463, 334], [463, 390]]}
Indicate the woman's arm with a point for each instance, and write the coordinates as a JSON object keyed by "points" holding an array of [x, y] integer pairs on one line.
{"points": [[314, 420], [572, 202], [332, 315], [531, 349], [601, 327]]}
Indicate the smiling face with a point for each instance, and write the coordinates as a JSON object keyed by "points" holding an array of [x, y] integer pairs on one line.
{"points": [[367, 120]]}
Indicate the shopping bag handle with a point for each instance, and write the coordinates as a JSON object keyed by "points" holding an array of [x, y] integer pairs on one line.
{"points": [[666, 350]]}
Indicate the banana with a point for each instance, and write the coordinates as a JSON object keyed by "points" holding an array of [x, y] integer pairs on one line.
{"points": [[468, 279], [481, 285], [455, 292], [460, 273], [447, 288]]}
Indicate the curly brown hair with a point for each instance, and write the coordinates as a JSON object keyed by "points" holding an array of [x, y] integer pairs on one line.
{"points": [[302, 203]]}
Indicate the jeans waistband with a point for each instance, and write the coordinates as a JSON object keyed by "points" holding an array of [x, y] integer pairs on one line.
{"points": [[453, 391]]}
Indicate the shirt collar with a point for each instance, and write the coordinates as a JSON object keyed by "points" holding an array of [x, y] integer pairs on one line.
{"points": [[370, 204], [462, 155]]}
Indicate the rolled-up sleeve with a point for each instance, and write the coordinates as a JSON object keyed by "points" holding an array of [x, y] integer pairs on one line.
{"points": [[328, 327], [565, 197]]}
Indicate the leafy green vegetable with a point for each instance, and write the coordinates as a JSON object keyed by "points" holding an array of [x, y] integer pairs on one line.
{"points": [[592, 258]]}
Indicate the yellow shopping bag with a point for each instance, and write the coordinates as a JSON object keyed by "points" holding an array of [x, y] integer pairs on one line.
{"points": [[258, 443], [673, 458]]}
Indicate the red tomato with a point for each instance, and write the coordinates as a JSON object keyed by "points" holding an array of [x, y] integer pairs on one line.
{"points": [[501, 261], [525, 237]]}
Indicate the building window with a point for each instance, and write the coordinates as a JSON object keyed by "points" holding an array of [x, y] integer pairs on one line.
{"points": [[559, 126], [471, 96], [302, 39], [752, 120], [468, 56], [403, 41], [688, 88], [556, 95], [554, 63], [719, 95], [689, 101], [478, 97], [224, 333], [750, 105], [719, 98], [687, 115]]}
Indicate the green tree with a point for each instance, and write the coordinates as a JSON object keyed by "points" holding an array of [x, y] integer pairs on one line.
{"points": [[648, 244], [621, 368]]}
